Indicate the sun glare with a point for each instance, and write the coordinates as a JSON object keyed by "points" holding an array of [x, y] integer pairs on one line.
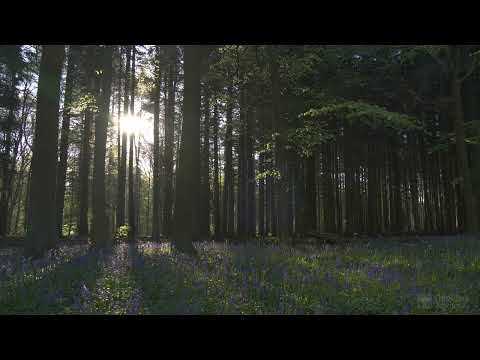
{"points": [[139, 126], [131, 124]]}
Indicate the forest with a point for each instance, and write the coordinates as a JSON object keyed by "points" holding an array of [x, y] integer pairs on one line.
{"points": [[239, 179]]}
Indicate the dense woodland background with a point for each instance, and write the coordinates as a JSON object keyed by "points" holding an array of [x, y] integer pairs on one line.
{"points": [[243, 142]]}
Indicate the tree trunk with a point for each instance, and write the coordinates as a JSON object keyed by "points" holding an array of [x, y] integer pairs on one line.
{"points": [[100, 224], [205, 178], [469, 210], [250, 162], [242, 167], [310, 213], [138, 183], [122, 176], [156, 150], [216, 184], [132, 231], [187, 178], [280, 151], [64, 140], [261, 168], [85, 155], [228, 193], [41, 230], [169, 132]]}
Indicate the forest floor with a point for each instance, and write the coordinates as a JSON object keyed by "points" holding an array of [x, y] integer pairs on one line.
{"points": [[433, 276]]}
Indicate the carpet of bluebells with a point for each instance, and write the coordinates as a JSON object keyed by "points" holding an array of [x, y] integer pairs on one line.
{"points": [[431, 276]]}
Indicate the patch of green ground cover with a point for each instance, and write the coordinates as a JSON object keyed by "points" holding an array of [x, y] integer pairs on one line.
{"points": [[243, 283], [164, 282], [275, 280], [381, 278], [50, 285], [441, 276], [115, 291]]}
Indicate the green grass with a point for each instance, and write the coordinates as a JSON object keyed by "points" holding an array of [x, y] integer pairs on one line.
{"points": [[435, 276]]}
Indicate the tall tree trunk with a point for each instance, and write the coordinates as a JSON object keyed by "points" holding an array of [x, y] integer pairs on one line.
{"points": [[41, 230], [261, 196], [132, 231], [242, 166], [280, 150], [122, 176], [469, 210], [205, 178], [261, 169], [250, 162], [85, 154], [472, 113], [228, 193], [119, 133], [26, 209], [169, 134], [138, 183], [216, 183], [187, 178], [64, 140], [298, 179], [156, 149], [100, 226], [310, 213]]}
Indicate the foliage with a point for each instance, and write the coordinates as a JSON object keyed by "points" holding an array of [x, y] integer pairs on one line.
{"points": [[305, 139], [370, 115], [122, 232], [83, 103], [69, 227]]}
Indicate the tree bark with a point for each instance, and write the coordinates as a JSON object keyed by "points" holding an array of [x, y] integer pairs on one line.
{"points": [[169, 134], [85, 154], [242, 166], [100, 226], [41, 230], [132, 231], [64, 140], [156, 150], [280, 151], [228, 191], [122, 176], [469, 210], [250, 162], [310, 214], [187, 178], [218, 237], [205, 178]]}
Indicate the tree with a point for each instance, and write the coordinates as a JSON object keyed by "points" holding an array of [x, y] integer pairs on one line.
{"points": [[41, 229], [122, 176], [132, 231], [100, 222], [205, 169], [156, 149], [85, 154], [459, 73], [169, 138], [228, 193], [458, 63], [73, 54], [218, 234], [187, 176], [280, 147]]}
